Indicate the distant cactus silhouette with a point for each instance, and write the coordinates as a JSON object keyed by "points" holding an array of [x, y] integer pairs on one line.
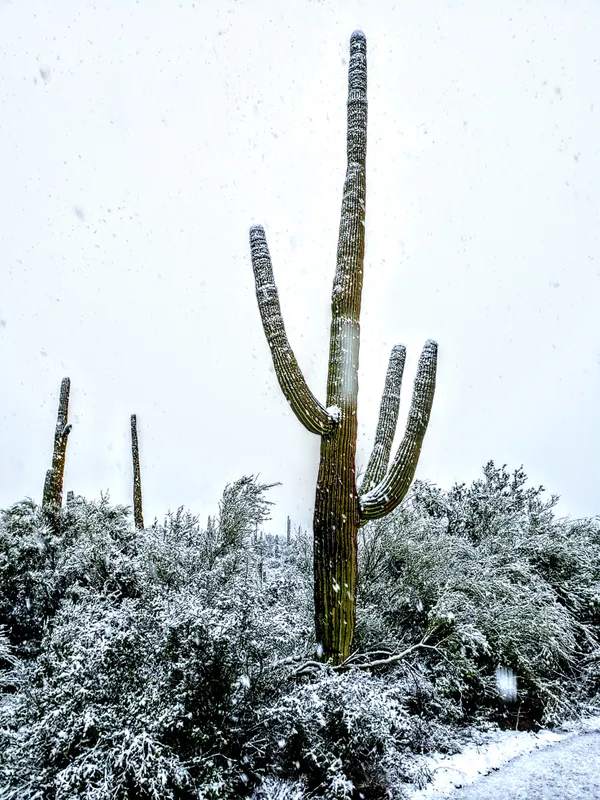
{"points": [[341, 507], [137, 480], [53, 485]]}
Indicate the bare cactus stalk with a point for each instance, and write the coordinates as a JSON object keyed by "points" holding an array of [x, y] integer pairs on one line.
{"points": [[340, 508], [289, 531], [53, 485], [137, 479]]}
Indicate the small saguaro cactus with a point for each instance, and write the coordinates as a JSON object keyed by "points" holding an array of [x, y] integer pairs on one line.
{"points": [[53, 485], [137, 479], [340, 506]]}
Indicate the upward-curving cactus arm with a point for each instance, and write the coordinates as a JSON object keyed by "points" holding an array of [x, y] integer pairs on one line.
{"points": [[315, 417], [388, 419], [388, 494]]}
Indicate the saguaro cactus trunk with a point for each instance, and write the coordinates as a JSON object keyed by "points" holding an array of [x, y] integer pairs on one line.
{"points": [[340, 506], [137, 479], [53, 485]]}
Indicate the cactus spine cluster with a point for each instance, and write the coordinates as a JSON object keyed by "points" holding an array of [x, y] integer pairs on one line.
{"points": [[340, 505]]}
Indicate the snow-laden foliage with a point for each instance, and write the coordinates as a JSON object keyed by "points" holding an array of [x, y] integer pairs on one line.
{"points": [[8, 659], [506, 585], [42, 563], [349, 735], [159, 647], [179, 661]]}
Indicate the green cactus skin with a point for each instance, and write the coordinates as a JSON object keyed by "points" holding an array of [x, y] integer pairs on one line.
{"points": [[138, 517], [340, 507], [53, 485]]}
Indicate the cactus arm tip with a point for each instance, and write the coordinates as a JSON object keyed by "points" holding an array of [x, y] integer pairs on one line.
{"points": [[387, 421]]}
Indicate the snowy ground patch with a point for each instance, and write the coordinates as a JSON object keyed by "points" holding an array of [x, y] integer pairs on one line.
{"points": [[495, 749]]}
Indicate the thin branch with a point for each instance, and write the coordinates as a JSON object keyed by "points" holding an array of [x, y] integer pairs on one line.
{"points": [[310, 666]]}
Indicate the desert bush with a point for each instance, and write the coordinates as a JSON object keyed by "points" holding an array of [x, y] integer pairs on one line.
{"points": [[341, 733], [505, 584], [43, 563], [352, 735], [164, 663], [148, 687], [28, 549]]}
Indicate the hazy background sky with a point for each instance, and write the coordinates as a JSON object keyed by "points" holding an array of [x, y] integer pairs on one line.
{"points": [[140, 140]]}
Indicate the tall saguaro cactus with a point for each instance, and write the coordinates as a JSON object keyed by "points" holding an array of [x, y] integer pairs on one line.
{"points": [[137, 480], [53, 485], [340, 506]]}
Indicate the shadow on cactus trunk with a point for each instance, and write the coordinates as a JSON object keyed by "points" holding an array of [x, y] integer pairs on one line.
{"points": [[340, 506]]}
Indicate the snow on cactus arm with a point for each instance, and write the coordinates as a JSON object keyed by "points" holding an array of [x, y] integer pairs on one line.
{"points": [[304, 404], [388, 419], [388, 494]]}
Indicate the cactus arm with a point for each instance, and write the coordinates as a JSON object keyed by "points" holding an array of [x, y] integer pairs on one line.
{"points": [[390, 492], [138, 516], [53, 486], [48, 489], [305, 405], [388, 419]]}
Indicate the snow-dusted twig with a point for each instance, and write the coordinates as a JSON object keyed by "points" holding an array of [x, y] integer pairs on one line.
{"points": [[351, 663], [289, 660]]}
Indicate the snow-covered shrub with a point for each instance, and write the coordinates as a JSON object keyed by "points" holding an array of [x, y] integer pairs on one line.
{"points": [[277, 789], [40, 564], [148, 687], [341, 733], [492, 504], [148, 695], [161, 663], [504, 583], [7, 658], [28, 552], [87, 723]]}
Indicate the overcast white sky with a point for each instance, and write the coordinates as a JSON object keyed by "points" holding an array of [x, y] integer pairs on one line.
{"points": [[138, 143]]}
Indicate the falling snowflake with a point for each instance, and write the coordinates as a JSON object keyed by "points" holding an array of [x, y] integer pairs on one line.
{"points": [[506, 683]]}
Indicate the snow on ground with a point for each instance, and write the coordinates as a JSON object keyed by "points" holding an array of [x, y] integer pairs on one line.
{"points": [[494, 750]]}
